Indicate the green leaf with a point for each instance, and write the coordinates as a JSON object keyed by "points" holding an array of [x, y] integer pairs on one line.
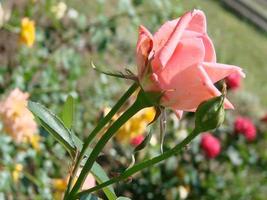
{"points": [[69, 140], [53, 125], [101, 177], [68, 111]]}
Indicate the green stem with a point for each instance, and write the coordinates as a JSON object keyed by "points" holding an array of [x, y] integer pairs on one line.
{"points": [[137, 106], [142, 165], [99, 126]]}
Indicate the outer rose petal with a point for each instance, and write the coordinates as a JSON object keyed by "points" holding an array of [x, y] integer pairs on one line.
{"points": [[217, 71], [190, 51], [198, 22], [190, 87], [162, 57], [210, 54], [143, 48], [163, 34], [192, 21]]}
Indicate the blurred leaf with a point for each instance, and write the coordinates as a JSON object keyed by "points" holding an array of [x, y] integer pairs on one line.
{"points": [[101, 176], [89, 197], [123, 198], [53, 125], [68, 112]]}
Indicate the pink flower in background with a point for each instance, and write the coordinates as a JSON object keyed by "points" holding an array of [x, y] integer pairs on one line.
{"points": [[233, 81], [180, 60], [89, 182], [137, 140], [246, 127], [210, 145], [18, 121]]}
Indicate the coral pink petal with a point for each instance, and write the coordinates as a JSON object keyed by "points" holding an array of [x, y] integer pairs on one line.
{"points": [[190, 87], [217, 71], [210, 54], [162, 57], [198, 22], [189, 52], [143, 49], [164, 32]]}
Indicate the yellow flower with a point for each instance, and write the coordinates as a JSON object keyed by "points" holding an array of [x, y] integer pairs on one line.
{"points": [[27, 33], [17, 120], [59, 184], [35, 141], [136, 125], [17, 172]]}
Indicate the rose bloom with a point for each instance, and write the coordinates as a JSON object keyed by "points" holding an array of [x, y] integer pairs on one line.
{"points": [[246, 127], [210, 145], [27, 33], [17, 120], [179, 60], [233, 81]]}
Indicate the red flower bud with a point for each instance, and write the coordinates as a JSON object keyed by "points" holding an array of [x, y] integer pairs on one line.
{"points": [[246, 127], [137, 140], [233, 81], [210, 145]]}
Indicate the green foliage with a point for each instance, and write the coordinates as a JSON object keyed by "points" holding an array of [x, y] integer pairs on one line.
{"points": [[53, 125], [68, 112]]}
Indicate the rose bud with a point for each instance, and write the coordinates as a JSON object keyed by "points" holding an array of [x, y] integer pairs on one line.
{"points": [[210, 114], [233, 81]]}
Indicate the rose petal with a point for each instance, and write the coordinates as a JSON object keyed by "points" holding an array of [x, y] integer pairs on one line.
{"points": [[162, 57], [190, 51], [190, 87], [217, 71], [143, 48], [198, 22], [210, 54]]}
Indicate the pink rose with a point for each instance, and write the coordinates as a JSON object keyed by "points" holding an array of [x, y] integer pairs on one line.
{"points": [[210, 145], [233, 81], [246, 127], [180, 61], [137, 140]]}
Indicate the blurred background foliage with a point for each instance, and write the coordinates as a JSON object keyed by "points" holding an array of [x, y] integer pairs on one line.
{"points": [[69, 35]]}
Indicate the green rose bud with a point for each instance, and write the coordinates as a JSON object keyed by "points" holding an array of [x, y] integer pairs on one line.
{"points": [[210, 114]]}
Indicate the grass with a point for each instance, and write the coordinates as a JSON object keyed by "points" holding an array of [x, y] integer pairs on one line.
{"points": [[237, 42]]}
